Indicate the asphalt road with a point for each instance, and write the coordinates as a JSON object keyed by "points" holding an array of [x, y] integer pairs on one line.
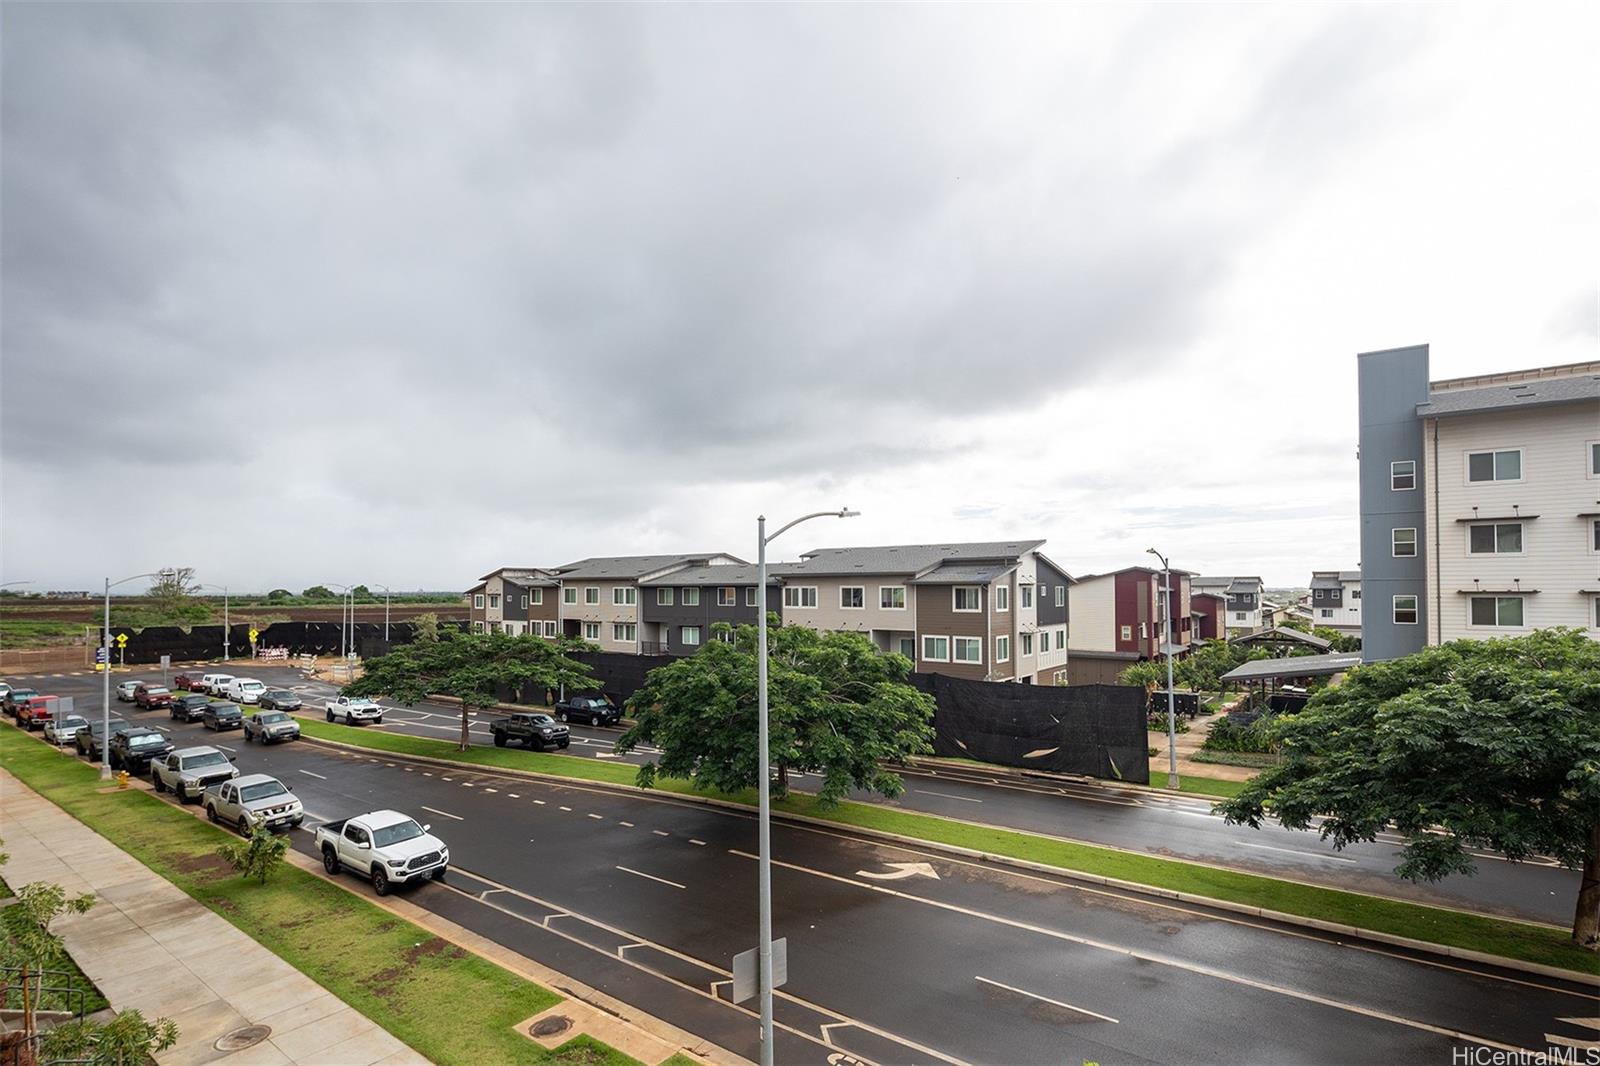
{"points": [[1138, 820], [901, 955]]}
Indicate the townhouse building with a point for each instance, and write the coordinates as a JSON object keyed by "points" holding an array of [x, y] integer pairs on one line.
{"points": [[679, 609], [1119, 618], [1208, 614], [600, 597], [1244, 601], [1480, 501], [1335, 600], [516, 600]]}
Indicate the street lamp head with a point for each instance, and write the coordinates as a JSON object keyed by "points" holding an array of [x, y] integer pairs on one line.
{"points": [[847, 513]]}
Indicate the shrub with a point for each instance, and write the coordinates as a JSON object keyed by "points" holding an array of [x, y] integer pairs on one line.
{"points": [[258, 856]]}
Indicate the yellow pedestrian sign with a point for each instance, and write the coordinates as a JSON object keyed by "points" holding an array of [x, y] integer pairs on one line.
{"points": [[253, 635], [122, 640]]}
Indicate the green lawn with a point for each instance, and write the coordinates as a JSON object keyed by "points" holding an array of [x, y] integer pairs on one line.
{"points": [[1200, 786], [12, 918], [450, 1005], [1495, 936]]}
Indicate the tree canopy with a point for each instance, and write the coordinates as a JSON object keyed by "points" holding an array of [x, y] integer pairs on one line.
{"points": [[319, 592], [837, 706], [473, 668], [1474, 744]]}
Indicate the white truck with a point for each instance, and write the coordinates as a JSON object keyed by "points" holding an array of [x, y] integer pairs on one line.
{"points": [[243, 690], [386, 847], [353, 710]]}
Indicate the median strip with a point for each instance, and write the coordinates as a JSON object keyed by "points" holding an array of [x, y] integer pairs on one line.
{"points": [[1460, 933]]}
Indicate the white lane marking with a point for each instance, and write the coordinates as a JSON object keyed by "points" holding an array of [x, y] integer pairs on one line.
{"points": [[1047, 999], [606, 755], [466, 784], [697, 843], [899, 871], [946, 795], [1293, 851], [444, 814], [628, 824], [539, 802], [660, 832], [596, 817], [427, 773], [486, 789], [564, 808], [513, 795], [652, 877], [308, 773]]}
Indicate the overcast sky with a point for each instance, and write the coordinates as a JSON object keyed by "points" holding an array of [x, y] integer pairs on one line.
{"points": [[401, 294]]}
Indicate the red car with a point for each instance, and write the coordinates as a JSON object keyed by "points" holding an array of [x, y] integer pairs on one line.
{"points": [[187, 683], [149, 697], [35, 711]]}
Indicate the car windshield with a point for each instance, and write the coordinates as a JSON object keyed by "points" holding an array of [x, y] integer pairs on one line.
{"points": [[251, 685], [541, 719], [394, 834], [210, 758], [269, 719], [146, 740], [221, 709], [158, 691], [23, 693], [281, 694], [73, 721], [264, 790]]}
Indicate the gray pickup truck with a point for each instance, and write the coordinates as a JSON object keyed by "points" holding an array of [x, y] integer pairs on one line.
{"points": [[270, 727], [254, 800], [188, 772], [537, 730]]}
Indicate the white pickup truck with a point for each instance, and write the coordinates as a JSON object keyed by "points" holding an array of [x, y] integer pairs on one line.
{"points": [[386, 847], [353, 710]]}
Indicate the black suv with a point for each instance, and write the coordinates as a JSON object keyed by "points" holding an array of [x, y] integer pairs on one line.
{"points": [[90, 742], [132, 749], [220, 716], [596, 710], [537, 731], [188, 708]]}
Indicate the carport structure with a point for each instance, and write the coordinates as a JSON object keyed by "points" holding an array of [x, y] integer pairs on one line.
{"points": [[1280, 640], [1264, 675]]}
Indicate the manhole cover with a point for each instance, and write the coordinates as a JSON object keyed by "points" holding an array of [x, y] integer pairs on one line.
{"points": [[239, 1039], [550, 1026]]}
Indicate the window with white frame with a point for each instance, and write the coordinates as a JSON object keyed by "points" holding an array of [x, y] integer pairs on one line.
{"points": [[852, 597], [892, 597], [691, 636], [1495, 538], [1316, 594], [1061, 595], [1002, 649], [1044, 592], [1061, 639], [494, 599], [936, 649], [524, 601], [538, 598], [750, 596], [727, 596], [966, 650], [1405, 610], [477, 627], [664, 597], [1027, 643], [691, 597], [624, 632], [1402, 475], [1024, 596], [591, 631], [1127, 632], [1495, 611], [1595, 621], [477, 601], [569, 595], [1505, 465], [908, 647], [591, 594], [1238, 616], [1594, 535], [1594, 458], [1327, 612], [966, 598], [1403, 542], [549, 629], [800, 596], [624, 596], [1002, 598], [725, 635]]}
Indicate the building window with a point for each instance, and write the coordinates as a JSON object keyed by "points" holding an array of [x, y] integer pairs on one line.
{"points": [[1238, 616], [799, 595], [1002, 598], [1027, 643], [538, 598], [691, 636], [1061, 595], [1405, 610], [1061, 639], [936, 649], [691, 597], [549, 629], [477, 627], [1502, 538], [725, 635], [1127, 632], [569, 595], [750, 596], [1594, 458], [1327, 612], [524, 601], [494, 600], [1404, 542], [1403, 475], [1496, 611], [1002, 649], [1495, 466], [664, 597], [892, 597], [908, 648], [1024, 596], [727, 597], [1594, 535], [966, 598], [591, 595], [591, 630], [477, 601], [1355, 594], [1596, 622], [967, 650], [852, 597], [624, 632], [624, 596], [1142, 633], [1316, 594]]}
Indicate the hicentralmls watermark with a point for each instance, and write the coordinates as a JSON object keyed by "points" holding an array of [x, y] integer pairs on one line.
{"points": [[1555, 1056]]}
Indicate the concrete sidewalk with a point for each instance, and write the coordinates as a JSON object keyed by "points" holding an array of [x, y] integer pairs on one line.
{"points": [[148, 945]]}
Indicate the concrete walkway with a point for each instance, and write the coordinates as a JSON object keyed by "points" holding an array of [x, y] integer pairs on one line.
{"points": [[146, 944]]}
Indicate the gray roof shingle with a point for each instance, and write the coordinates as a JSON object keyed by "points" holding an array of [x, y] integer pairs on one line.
{"points": [[964, 574], [716, 574], [905, 558], [629, 567], [1540, 392]]}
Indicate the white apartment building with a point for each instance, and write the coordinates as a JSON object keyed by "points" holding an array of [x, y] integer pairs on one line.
{"points": [[1335, 600]]}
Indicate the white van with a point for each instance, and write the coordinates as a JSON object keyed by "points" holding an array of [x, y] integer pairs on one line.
{"points": [[214, 683], [244, 690]]}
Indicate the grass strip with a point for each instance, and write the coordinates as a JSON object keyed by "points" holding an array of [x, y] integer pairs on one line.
{"points": [[1199, 786], [12, 921], [1474, 932], [446, 1003]]}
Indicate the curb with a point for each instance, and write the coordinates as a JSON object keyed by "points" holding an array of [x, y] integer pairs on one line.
{"points": [[1354, 932]]}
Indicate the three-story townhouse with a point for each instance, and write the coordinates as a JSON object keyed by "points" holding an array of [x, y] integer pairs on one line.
{"points": [[1335, 600], [517, 600], [600, 597], [1119, 618], [679, 610]]}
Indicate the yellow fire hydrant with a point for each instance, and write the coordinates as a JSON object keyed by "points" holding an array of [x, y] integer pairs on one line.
{"points": [[122, 779]]}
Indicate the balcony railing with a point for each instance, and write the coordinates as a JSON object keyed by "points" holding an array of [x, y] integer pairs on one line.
{"points": [[654, 647]]}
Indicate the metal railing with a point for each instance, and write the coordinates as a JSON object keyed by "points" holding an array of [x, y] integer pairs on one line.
{"points": [[54, 998]]}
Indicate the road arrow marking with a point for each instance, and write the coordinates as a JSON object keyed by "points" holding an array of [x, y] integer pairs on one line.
{"points": [[902, 870]]}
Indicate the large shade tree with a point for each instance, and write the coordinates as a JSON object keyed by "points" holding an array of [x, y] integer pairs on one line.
{"points": [[838, 707], [473, 668], [1475, 744]]}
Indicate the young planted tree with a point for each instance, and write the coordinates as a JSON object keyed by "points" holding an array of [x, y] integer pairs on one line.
{"points": [[837, 707], [172, 597], [473, 668], [258, 856], [1475, 744], [126, 1040], [426, 628], [41, 904]]}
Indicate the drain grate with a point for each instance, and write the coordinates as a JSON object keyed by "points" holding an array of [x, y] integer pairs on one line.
{"points": [[239, 1039], [550, 1026]]}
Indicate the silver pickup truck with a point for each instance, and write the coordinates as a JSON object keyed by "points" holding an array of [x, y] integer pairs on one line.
{"points": [[386, 847], [188, 772], [254, 800]]}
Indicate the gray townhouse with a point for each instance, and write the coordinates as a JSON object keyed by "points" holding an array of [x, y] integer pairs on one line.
{"points": [[600, 596], [1243, 597], [679, 610], [516, 600]]}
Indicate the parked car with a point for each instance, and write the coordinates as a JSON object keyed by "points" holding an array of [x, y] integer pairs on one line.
{"points": [[270, 726], [386, 847], [126, 690], [4, 689], [595, 710], [64, 728], [13, 699], [214, 683], [188, 772], [35, 711], [254, 800], [537, 730], [219, 716], [133, 748], [150, 697], [188, 708], [243, 690], [91, 743], [278, 699], [353, 710], [187, 682]]}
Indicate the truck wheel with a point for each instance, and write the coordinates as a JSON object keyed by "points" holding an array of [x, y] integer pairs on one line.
{"points": [[244, 827], [155, 779], [211, 813], [330, 716], [499, 740], [380, 880], [378, 720], [561, 716], [438, 875], [330, 859], [563, 745]]}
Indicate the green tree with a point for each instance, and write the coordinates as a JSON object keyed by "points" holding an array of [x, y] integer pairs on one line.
{"points": [[1202, 668], [362, 594], [279, 596], [426, 628], [41, 903], [1148, 674], [258, 856], [172, 599], [838, 707], [473, 668], [126, 1040], [319, 592], [1475, 744]]}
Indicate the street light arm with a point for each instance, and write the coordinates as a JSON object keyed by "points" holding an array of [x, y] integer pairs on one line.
{"points": [[843, 512]]}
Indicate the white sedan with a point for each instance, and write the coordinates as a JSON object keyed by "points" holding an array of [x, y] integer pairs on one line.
{"points": [[61, 730]]}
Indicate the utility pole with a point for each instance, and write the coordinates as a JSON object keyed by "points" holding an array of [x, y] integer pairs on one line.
{"points": [[1166, 628]]}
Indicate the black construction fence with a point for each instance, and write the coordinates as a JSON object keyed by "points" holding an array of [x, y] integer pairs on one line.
{"points": [[148, 645]]}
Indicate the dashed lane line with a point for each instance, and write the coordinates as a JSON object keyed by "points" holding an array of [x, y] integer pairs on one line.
{"points": [[651, 877], [308, 773], [945, 795], [1047, 999], [444, 814]]}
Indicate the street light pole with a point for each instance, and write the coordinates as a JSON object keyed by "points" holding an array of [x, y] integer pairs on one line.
{"points": [[386, 593], [105, 688], [764, 786], [346, 609], [1172, 716]]}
